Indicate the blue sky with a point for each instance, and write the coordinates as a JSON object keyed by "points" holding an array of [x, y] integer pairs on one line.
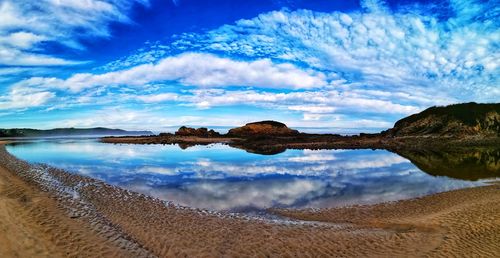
{"points": [[348, 66]]}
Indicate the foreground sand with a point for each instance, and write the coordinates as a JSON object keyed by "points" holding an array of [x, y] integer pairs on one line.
{"points": [[48, 212]]}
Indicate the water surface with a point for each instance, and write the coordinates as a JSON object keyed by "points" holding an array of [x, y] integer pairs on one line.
{"points": [[218, 177]]}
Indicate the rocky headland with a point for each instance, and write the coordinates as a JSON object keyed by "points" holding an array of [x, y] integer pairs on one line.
{"points": [[453, 121]]}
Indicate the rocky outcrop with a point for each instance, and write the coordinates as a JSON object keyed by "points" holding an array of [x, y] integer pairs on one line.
{"points": [[199, 132], [460, 120], [263, 128]]}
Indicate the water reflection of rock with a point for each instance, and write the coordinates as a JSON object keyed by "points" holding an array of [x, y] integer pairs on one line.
{"points": [[184, 146], [461, 163], [271, 150], [262, 150]]}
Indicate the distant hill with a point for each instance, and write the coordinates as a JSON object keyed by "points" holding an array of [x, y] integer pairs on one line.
{"points": [[459, 120], [25, 132]]}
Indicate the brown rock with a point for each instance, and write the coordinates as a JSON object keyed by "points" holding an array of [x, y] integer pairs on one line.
{"points": [[200, 132], [263, 128]]}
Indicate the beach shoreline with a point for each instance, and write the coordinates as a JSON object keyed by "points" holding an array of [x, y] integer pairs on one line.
{"points": [[35, 222], [39, 203]]}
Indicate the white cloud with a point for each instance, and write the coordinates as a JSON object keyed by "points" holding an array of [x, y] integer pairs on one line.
{"points": [[313, 109], [150, 53], [315, 102], [407, 48], [21, 39], [22, 98], [158, 97], [313, 117], [194, 69], [24, 24], [10, 75], [16, 57]]}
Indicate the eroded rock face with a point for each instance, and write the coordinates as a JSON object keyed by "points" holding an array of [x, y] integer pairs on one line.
{"points": [[460, 120], [199, 132], [263, 128]]}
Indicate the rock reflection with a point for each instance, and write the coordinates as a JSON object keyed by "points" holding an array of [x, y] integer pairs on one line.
{"points": [[465, 164]]}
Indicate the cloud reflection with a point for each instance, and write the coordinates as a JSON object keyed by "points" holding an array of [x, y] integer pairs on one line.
{"points": [[221, 178]]}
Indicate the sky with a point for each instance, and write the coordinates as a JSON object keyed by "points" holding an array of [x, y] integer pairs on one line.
{"points": [[336, 66]]}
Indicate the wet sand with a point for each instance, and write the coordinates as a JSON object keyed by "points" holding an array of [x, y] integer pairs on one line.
{"points": [[49, 212], [33, 224]]}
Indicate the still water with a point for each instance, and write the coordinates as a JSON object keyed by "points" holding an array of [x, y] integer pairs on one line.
{"points": [[218, 177]]}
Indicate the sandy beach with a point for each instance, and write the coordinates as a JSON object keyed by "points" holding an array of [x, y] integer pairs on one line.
{"points": [[32, 224], [47, 212]]}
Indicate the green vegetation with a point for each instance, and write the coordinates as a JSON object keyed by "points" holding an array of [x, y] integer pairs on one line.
{"points": [[466, 113]]}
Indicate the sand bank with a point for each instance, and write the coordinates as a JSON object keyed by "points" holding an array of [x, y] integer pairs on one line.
{"points": [[49, 211]]}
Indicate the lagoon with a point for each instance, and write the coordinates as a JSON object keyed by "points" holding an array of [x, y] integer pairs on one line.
{"points": [[218, 177]]}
